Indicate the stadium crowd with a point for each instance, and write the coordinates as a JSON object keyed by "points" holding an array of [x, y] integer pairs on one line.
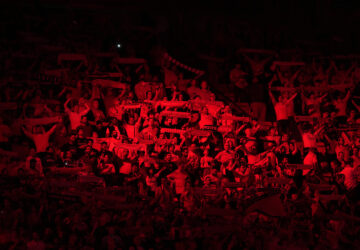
{"points": [[106, 152]]}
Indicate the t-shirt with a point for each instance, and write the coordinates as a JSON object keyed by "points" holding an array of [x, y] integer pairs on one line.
{"points": [[341, 107], [180, 181], [141, 89], [193, 91], [75, 118], [350, 177], [310, 159], [281, 111], [309, 140], [206, 120], [130, 130], [41, 141]]}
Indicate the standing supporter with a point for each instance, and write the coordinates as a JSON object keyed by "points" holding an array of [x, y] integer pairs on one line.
{"points": [[75, 114], [141, 89], [313, 104], [33, 164], [206, 119], [178, 178], [281, 111], [97, 113], [341, 105], [204, 92], [105, 165], [40, 137]]}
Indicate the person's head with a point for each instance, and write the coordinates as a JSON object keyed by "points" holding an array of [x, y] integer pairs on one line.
{"points": [[104, 146], [340, 156], [206, 152], [171, 148], [88, 149], [68, 154], [95, 104], [272, 131], [227, 109], [292, 146], [193, 83], [84, 120], [117, 102], [352, 114], [32, 152], [334, 165], [38, 129], [226, 146], [149, 95], [341, 141], [205, 110], [282, 99], [151, 122], [168, 121], [80, 133], [107, 158], [285, 138], [73, 137], [204, 85], [355, 151], [248, 132]]}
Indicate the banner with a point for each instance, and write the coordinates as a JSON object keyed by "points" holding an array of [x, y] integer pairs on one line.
{"points": [[109, 83], [235, 118], [172, 131], [256, 51], [304, 118], [131, 106], [8, 106], [283, 63], [328, 88], [42, 121], [172, 104], [181, 65], [130, 60], [175, 114], [71, 57]]}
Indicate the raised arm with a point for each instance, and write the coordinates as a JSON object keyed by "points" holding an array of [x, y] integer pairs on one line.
{"points": [[27, 133], [291, 98], [272, 97], [295, 75], [355, 105], [321, 98], [66, 105], [347, 97], [87, 109], [52, 130]]}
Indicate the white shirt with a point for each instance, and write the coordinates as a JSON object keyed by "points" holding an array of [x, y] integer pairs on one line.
{"points": [[281, 111], [350, 177], [310, 159], [309, 140]]}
